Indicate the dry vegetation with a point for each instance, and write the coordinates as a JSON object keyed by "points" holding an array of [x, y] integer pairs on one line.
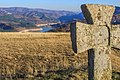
{"points": [[45, 56]]}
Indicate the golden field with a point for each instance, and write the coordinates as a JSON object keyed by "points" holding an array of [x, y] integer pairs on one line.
{"points": [[46, 56]]}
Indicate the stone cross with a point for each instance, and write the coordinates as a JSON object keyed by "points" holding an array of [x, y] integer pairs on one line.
{"points": [[98, 37]]}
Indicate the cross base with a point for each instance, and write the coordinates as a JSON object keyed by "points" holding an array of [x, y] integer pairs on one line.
{"points": [[99, 64]]}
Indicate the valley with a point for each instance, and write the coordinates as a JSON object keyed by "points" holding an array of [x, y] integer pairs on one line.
{"points": [[15, 19]]}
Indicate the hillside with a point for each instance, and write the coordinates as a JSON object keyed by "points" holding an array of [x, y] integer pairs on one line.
{"points": [[20, 18], [66, 27], [45, 56], [32, 15], [116, 16]]}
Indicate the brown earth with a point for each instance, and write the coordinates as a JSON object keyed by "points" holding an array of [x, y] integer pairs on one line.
{"points": [[40, 54]]}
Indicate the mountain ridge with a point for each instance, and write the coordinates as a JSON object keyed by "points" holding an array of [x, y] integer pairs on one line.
{"points": [[22, 17]]}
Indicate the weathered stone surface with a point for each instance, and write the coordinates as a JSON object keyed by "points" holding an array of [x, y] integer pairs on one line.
{"points": [[90, 36], [97, 14], [115, 36], [98, 36], [83, 37], [102, 63]]}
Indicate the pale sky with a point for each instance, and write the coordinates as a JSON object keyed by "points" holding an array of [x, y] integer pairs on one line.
{"points": [[70, 5]]}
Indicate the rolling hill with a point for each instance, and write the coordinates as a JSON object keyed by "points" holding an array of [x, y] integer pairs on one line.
{"points": [[20, 18]]}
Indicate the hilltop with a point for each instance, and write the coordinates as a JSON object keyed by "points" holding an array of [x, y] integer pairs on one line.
{"points": [[45, 56]]}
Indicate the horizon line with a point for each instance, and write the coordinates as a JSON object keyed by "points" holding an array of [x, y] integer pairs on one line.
{"points": [[39, 8]]}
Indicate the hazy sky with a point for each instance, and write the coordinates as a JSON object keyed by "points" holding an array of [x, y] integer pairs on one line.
{"points": [[71, 5]]}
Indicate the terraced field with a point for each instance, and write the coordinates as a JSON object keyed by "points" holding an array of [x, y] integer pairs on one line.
{"points": [[44, 56]]}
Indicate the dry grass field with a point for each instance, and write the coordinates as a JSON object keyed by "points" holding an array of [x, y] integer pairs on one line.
{"points": [[44, 56]]}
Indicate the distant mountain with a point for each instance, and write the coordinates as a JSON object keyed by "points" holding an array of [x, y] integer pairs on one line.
{"points": [[18, 18], [117, 10], [34, 15], [69, 18], [66, 27], [116, 16], [4, 27]]}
